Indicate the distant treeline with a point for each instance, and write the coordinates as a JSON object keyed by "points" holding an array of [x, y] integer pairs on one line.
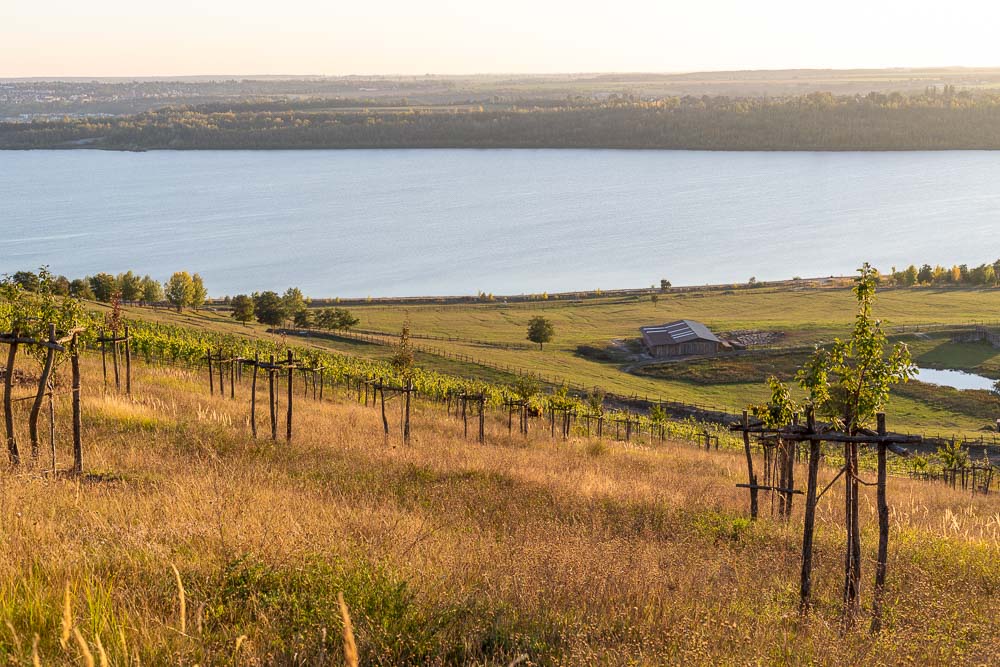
{"points": [[819, 121], [984, 275]]}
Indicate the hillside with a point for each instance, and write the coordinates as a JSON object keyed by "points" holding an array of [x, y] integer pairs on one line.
{"points": [[447, 551]]}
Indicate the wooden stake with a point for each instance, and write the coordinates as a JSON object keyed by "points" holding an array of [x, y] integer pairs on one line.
{"points": [[288, 417], [883, 532], [104, 357], [211, 375], [77, 428], [8, 408], [114, 359], [253, 397], [385, 421], [406, 420], [36, 405], [128, 363], [52, 427], [272, 400], [752, 478], [805, 581]]}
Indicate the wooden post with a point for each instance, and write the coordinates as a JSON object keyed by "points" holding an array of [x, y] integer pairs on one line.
{"points": [[222, 386], [380, 388], [322, 381], [104, 357], [852, 548], [36, 405], [272, 400], [288, 413], [128, 363], [805, 581], [465, 415], [751, 477], [52, 427], [232, 378], [883, 531], [77, 435], [406, 420], [482, 419], [114, 360], [253, 397], [211, 375], [8, 406]]}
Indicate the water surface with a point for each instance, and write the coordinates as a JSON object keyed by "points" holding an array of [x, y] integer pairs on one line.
{"points": [[414, 222], [955, 379]]}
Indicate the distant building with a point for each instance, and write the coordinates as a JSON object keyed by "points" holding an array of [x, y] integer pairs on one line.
{"points": [[680, 339]]}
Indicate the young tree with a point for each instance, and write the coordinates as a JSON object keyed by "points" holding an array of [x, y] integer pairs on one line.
{"points": [[180, 289], [269, 308], [198, 292], [402, 356], [540, 331], [849, 382], [242, 308]]}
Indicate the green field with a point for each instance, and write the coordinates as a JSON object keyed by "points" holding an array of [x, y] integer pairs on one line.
{"points": [[580, 353]]}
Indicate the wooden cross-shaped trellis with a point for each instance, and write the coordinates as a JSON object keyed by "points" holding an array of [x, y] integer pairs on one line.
{"points": [[567, 414], [116, 343], [273, 369], [406, 391], [519, 406], [465, 398], [884, 442]]}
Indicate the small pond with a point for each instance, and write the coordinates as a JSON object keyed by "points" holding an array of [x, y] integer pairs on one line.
{"points": [[955, 379]]}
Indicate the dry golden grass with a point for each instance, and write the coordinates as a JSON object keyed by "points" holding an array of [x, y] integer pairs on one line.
{"points": [[447, 551]]}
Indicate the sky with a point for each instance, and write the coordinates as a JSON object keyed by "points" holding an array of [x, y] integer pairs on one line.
{"points": [[62, 38]]}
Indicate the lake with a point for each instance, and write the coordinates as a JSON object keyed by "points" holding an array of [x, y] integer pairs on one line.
{"points": [[417, 222], [955, 379]]}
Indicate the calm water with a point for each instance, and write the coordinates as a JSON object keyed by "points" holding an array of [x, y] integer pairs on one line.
{"points": [[955, 379], [357, 223]]}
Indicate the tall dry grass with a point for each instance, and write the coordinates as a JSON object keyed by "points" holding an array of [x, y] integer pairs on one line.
{"points": [[447, 551]]}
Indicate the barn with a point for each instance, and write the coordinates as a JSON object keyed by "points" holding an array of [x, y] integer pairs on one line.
{"points": [[680, 339]]}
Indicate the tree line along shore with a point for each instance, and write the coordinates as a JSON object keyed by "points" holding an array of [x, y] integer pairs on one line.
{"points": [[930, 120]]}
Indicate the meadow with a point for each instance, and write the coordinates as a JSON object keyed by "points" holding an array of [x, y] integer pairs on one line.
{"points": [[523, 550]]}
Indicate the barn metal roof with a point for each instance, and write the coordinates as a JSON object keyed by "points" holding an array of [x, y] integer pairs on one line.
{"points": [[681, 331]]}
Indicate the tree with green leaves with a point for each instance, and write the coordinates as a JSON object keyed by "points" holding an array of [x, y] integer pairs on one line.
{"points": [[198, 292], [242, 308], [540, 330], [293, 302], [80, 289], [130, 286], [152, 290], [103, 286], [334, 319], [268, 308], [849, 382], [402, 354], [179, 290]]}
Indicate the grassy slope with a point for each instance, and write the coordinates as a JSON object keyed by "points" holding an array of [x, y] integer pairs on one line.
{"points": [[447, 551]]}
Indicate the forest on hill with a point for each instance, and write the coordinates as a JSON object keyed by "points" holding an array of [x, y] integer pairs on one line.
{"points": [[932, 120]]}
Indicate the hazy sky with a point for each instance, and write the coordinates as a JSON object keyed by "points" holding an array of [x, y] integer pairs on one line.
{"points": [[185, 37]]}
